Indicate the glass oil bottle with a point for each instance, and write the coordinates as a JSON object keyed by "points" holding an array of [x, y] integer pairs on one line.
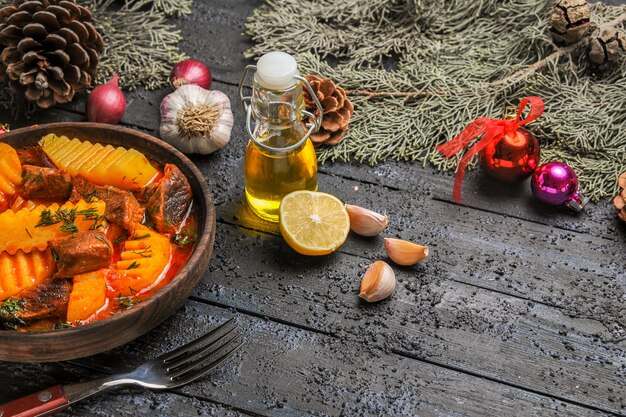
{"points": [[280, 157]]}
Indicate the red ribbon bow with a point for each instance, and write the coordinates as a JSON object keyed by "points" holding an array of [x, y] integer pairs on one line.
{"points": [[493, 130]]}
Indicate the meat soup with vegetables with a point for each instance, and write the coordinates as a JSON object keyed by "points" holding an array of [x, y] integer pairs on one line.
{"points": [[86, 231]]}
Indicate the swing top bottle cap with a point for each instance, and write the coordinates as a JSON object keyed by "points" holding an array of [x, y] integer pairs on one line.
{"points": [[276, 70]]}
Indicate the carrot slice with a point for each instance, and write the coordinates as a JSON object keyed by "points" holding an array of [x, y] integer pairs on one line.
{"points": [[24, 230], [10, 170], [22, 270], [88, 295], [144, 261]]}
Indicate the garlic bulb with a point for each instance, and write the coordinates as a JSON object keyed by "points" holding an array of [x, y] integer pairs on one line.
{"points": [[378, 283], [405, 253], [366, 222], [196, 120]]}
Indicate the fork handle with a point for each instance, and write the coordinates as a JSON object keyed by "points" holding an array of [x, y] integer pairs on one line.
{"points": [[43, 403]]}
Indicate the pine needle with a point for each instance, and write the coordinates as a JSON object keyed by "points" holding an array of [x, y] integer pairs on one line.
{"points": [[139, 43], [419, 71]]}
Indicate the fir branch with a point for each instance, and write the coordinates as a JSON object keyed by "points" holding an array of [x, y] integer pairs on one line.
{"points": [[139, 44], [418, 72], [515, 78]]}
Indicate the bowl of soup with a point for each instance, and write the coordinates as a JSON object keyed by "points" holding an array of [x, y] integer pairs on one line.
{"points": [[104, 232]]}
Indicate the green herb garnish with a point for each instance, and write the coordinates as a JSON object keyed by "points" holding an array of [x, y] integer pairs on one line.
{"points": [[119, 239], [90, 196], [134, 265], [12, 305], [9, 310], [102, 239], [127, 302], [71, 227], [140, 237], [144, 253], [47, 219], [185, 237]]}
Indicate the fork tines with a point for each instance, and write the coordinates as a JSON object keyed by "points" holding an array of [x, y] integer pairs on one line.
{"points": [[200, 356]]}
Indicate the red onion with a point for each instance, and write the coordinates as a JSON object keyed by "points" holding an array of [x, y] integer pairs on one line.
{"points": [[106, 103], [191, 71]]}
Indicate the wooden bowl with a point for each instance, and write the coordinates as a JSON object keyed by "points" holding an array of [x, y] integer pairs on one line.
{"points": [[81, 341]]}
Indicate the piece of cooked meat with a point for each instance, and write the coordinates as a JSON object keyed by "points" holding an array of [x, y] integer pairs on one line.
{"points": [[34, 155], [81, 252], [122, 208], [48, 299], [45, 183], [168, 200]]}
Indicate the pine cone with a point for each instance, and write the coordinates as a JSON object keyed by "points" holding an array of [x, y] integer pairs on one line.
{"points": [[607, 46], [570, 21], [50, 49], [620, 200], [337, 109]]}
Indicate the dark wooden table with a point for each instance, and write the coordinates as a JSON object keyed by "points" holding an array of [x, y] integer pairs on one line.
{"points": [[520, 309]]}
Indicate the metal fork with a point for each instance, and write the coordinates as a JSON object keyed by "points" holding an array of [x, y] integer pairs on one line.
{"points": [[174, 369]]}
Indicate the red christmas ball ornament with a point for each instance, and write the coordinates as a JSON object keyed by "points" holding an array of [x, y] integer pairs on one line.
{"points": [[507, 150], [513, 158], [3, 128]]}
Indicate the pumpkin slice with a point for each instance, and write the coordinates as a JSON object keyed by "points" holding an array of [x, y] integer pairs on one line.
{"points": [[23, 270], [10, 173], [20, 203], [144, 261], [88, 295], [128, 169], [32, 229]]}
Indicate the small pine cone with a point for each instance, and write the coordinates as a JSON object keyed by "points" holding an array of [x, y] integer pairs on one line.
{"points": [[337, 109], [50, 49], [570, 21], [607, 46], [620, 200]]}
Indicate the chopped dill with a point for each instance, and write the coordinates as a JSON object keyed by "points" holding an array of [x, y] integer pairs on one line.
{"points": [[134, 265], [102, 239], [12, 305], [185, 237], [140, 237], [62, 325], [90, 196], [144, 253], [119, 239], [126, 302], [47, 219]]}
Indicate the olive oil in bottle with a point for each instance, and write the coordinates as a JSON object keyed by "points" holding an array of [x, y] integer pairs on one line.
{"points": [[280, 157]]}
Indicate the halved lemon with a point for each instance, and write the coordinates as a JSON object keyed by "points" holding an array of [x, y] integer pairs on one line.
{"points": [[313, 223]]}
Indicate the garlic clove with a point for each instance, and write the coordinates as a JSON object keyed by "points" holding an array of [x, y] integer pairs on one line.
{"points": [[366, 222], [405, 253], [378, 283]]}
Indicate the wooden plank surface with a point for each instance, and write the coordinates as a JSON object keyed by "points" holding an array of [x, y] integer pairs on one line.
{"points": [[518, 311], [285, 371]]}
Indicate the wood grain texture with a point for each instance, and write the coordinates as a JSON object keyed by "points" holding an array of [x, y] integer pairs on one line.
{"points": [[102, 335], [516, 312], [286, 371]]}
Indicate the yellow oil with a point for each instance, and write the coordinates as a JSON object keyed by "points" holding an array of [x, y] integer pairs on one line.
{"points": [[271, 175]]}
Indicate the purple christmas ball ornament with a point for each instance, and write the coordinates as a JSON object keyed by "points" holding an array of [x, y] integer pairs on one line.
{"points": [[555, 183]]}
